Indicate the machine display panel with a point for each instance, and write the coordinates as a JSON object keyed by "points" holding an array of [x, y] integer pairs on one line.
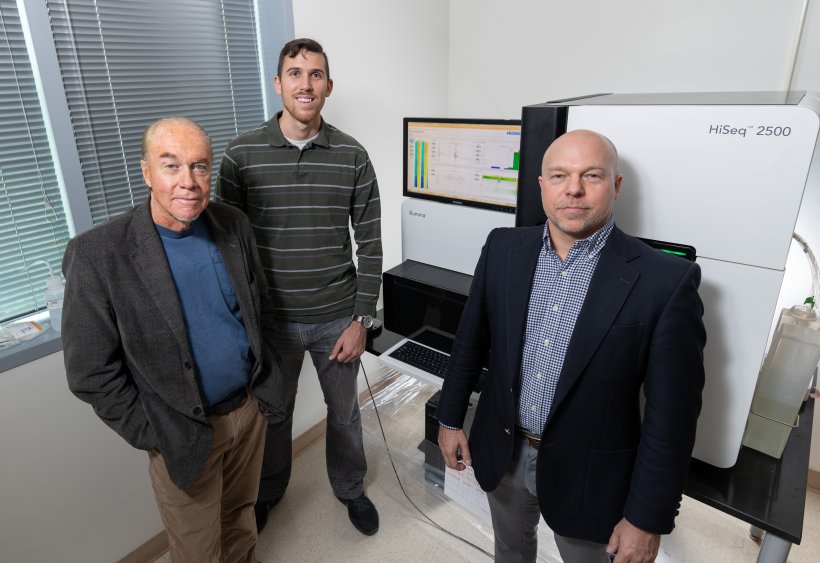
{"points": [[471, 162]]}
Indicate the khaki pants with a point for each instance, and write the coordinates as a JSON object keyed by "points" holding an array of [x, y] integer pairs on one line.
{"points": [[213, 521]]}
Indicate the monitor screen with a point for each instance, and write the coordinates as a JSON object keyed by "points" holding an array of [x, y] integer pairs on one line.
{"points": [[471, 162]]}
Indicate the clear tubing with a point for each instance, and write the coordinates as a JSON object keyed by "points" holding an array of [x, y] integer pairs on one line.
{"points": [[815, 273]]}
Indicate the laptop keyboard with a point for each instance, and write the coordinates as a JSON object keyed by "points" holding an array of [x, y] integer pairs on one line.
{"points": [[421, 357]]}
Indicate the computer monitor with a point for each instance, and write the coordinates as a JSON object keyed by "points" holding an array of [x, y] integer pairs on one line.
{"points": [[470, 162]]}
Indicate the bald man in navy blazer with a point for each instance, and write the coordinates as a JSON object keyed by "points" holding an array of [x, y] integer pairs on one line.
{"points": [[574, 318]]}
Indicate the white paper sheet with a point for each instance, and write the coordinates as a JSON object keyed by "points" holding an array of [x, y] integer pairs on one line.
{"points": [[462, 487]]}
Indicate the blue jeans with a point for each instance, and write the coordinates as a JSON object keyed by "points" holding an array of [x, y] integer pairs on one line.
{"points": [[344, 448]]}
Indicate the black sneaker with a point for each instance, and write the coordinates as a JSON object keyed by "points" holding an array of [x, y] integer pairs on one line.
{"points": [[362, 514], [261, 509]]}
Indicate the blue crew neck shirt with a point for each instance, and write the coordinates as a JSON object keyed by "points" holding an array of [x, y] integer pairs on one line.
{"points": [[214, 325]]}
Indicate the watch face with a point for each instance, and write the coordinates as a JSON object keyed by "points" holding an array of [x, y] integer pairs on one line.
{"points": [[365, 320]]}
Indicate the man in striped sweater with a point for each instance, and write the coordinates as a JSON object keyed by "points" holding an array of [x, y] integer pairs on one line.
{"points": [[302, 182]]}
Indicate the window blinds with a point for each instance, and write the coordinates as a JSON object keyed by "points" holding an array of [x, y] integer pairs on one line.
{"points": [[32, 219], [125, 64]]}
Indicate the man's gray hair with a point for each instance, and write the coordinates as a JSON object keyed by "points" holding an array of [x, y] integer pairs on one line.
{"points": [[179, 119]]}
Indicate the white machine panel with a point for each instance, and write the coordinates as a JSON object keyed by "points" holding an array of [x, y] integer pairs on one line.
{"points": [[737, 321], [710, 176], [447, 236]]}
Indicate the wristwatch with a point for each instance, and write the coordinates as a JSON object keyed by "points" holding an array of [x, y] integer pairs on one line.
{"points": [[365, 320]]}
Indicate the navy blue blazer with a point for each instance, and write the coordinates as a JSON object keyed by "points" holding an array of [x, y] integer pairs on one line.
{"points": [[640, 325]]}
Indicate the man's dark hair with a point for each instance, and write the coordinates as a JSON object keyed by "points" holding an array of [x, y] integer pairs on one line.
{"points": [[296, 46]]}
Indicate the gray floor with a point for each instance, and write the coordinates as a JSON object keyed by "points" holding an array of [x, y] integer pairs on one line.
{"points": [[311, 525]]}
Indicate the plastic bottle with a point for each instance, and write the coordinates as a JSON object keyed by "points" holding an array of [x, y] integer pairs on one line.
{"points": [[53, 296], [54, 301], [784, 380]]}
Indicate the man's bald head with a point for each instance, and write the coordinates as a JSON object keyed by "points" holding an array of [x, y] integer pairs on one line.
{"points": [[584, 137]]}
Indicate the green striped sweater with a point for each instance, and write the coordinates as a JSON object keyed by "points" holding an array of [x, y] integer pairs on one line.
{"points": [[301, 204]]}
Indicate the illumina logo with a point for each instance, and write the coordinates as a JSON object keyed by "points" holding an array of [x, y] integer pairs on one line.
{"points": [[414, 214]]}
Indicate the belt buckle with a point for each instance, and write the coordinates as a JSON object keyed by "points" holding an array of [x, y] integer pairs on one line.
{"points": [[530, 439]]}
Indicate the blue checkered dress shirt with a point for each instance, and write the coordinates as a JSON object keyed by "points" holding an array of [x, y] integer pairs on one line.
{"points": [[558, 292]]}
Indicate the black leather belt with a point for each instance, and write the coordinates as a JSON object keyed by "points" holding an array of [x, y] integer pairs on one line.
{"points": [[530, 439], [228, 404]]}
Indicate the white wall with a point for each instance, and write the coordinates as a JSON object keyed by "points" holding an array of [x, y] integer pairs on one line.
{"points": [[72, 490], [504, 55]]}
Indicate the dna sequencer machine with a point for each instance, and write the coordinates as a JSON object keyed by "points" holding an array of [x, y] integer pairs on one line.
{"points": [[723, 172]]}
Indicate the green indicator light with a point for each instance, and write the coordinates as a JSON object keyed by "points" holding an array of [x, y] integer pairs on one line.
{"points": [[675, 252]]}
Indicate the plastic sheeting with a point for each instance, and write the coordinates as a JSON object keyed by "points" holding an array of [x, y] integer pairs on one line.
{"points": [[400, 401]]}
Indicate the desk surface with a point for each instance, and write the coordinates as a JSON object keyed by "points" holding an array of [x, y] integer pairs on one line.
{"points": [[765, 492]]}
